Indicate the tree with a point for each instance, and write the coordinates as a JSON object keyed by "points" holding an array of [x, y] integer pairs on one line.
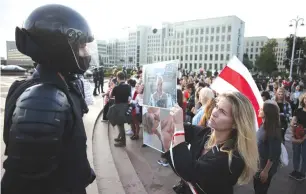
{"points": [[246, 61], [266, 61], [300, 43]]}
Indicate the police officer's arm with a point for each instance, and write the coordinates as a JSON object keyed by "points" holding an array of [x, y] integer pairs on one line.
{"points": [[40, 121]]}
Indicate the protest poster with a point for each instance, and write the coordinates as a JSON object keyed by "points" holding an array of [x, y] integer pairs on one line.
{"points": [[160, 84], [160, 94], [158, 128]]}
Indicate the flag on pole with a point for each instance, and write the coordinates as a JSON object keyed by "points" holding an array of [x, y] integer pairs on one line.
{"points": [[236, 77]]}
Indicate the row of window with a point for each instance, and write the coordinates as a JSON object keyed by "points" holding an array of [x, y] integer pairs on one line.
{"points": [[207, 66], [200, 48], [197, 40], [200, 57], [257, 43], [207, 30]]}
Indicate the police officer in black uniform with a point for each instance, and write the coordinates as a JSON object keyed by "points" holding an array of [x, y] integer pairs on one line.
{"points": [[101, 79], [46, 141], [95, 76]]}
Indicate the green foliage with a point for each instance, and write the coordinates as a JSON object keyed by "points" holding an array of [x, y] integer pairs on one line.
{"points": [[300, 43], [246, 61], [208, 73], [266, 61]]}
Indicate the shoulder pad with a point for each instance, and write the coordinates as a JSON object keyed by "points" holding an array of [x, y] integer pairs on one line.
{"points": [[43, 97]]}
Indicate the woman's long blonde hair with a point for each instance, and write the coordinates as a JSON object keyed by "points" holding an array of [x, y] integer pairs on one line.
{"points": [[244, 120], [207, 112]]}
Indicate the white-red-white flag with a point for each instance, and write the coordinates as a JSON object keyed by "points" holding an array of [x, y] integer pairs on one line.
{"points": [[236, 77]]}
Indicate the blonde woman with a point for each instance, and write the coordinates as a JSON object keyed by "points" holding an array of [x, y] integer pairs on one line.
{"points": [[284, 109], [218, 158], [206, 94], [207, 113]]}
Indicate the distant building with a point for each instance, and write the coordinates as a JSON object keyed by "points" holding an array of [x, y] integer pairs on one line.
{"points": [[253, 46], [280, 53], [14, 57]]}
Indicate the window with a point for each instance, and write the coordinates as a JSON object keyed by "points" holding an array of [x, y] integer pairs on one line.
{"points": [[201, 39], [182, 42], [222, 47], [252, 44], [178, 43], [211, 57], [223, 38], [206, 48], [191, 40], [256, 49], [228, 37], [181, 49], [191, 48], [200, 65], [228, 47], [186, 57], [257, 43], [186, 65], [206, 38], [216, 66], [195, 57], [217, 48], [251, 56], [216, 57], [217, 38], [181, 58], [178, 35], [223, 29], [200, 57], [212, 30], [191, 32], [221, 57], [190, 57], [190, 66], [221, 66], [229, 29], [201, 48], [207, 30], [251, 49], [197, 31], [169, 50], [196, 40], [202, 31], [173, 57], [227, 57], [195, 66], [187, 32], [218, 29], [196, 48], [205, 57], [177, 50], [247, 50], [211, 39], [211, 48], [210, 66], [187, 41], [173, 50], [262, 43]]}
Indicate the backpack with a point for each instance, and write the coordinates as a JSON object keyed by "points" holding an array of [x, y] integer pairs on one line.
{"points": [[16, 89]]}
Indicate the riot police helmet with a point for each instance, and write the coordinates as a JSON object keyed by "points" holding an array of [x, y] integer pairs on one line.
{"points": [[59, 37]]}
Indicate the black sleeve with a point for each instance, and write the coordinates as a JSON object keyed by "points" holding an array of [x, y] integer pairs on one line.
{"points": [[39, 124], [191, 131], [113, 94], [205, 169], [274, 149]]}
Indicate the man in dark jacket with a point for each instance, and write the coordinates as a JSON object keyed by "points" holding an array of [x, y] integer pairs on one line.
{"points": [[45, 137]]}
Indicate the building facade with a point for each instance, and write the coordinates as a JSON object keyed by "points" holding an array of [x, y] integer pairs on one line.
{"points": [[280, 53], [253, 46], [14, 57], [207, 43]]}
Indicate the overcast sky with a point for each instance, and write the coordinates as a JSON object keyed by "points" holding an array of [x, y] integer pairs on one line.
{"points": [[108, 17]]}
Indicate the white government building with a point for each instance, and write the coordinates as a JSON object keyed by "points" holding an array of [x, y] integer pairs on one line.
{"points": [[204, 43], [207, 43], [253, 45]]}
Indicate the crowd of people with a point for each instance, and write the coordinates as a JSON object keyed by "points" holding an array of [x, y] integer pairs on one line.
{"points": [[226, 147]]}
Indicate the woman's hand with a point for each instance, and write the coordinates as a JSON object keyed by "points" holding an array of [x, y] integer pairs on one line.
{"points": [[177, 115], [263, 176]]}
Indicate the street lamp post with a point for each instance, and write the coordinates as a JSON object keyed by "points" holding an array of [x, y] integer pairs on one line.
{"points": [[296, 24]]}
